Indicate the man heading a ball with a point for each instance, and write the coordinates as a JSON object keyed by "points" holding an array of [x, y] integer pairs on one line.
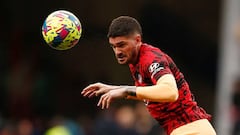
{"points": [[158, 82]]}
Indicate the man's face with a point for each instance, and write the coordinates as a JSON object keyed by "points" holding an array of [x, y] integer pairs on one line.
{"points": [[126, 48]]}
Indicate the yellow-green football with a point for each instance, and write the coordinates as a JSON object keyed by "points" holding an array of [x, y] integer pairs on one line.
{"points": [[61, 30]]}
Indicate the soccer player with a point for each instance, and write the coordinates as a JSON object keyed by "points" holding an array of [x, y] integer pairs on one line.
{"points": [[158, 82]]}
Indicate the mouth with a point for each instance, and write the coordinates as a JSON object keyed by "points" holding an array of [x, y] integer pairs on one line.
{"points": [[121, 58]]}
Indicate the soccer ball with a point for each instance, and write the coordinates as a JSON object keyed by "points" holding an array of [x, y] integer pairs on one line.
{"points": [[61, 30]]}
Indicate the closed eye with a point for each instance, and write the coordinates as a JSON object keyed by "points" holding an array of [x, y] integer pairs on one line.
{"points": [[112, 46], [121, 44]]}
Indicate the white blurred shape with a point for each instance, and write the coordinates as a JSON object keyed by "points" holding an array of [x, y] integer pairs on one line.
{"points": [[228, 67]]}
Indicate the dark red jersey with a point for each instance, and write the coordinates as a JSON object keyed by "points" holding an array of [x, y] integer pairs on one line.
{"points": [[152, 64]]}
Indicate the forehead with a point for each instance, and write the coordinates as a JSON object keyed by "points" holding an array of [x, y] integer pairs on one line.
{"points": [[115, 40]]}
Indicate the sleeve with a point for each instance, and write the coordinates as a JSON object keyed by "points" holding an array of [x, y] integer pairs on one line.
{"points": [[157, 66]]}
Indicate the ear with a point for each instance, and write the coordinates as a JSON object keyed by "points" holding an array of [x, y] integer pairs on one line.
{"points": [[138, 38]]}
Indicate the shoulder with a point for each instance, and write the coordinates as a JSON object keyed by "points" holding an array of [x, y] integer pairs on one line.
{"points": [[151, 58], [153, 62], [150, 54], [147, 47]]}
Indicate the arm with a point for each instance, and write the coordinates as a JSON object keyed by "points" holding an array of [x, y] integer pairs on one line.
{"points": [[164, 91]]}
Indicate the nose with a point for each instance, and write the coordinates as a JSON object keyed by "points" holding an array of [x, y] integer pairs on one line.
{"points": [[117, 51]]}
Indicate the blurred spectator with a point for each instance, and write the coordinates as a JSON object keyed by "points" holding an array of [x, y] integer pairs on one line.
{"points": [[105, 124], [145, 124], [87, 124], [25, 127], [73, 127], [58, 130], [238, 32], [236, 107], [125, 118], [7, 128], [66, 126]]}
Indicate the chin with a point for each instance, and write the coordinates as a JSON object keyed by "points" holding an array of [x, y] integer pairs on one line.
{"points": [[122, 62]]}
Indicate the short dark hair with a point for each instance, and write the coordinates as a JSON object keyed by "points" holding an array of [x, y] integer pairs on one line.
{"points": [[124, 26]]}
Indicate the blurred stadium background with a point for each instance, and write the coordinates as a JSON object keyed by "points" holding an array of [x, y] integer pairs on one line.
{"points": [[40, 87]]}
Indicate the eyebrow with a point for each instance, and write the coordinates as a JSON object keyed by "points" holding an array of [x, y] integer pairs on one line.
{"points": [[118, 43], [121, 42]]}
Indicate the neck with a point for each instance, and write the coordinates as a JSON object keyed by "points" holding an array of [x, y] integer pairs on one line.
{"points": [[135, 59]]}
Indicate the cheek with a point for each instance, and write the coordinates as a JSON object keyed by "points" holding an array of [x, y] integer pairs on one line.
{"points": [[131, 51], [128, 50]]}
